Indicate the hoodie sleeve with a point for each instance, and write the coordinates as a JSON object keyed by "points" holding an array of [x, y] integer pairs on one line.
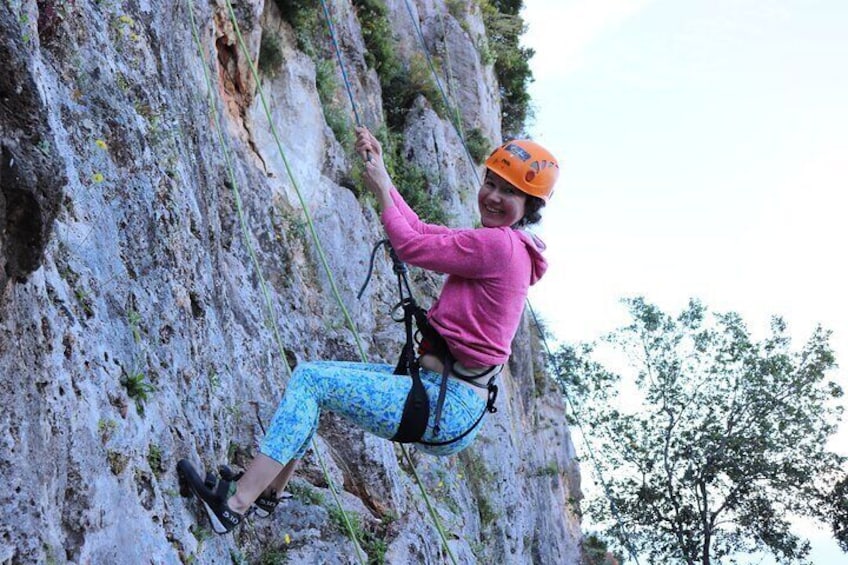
{"points": [[409, 215], [468, 253]]}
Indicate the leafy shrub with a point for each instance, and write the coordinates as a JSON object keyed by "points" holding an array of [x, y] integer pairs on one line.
{"points": [[302, 16], [400, 84], [421, 81], [410, 180], [335, 115], [504, 28], [478, 145], [270, 54]]}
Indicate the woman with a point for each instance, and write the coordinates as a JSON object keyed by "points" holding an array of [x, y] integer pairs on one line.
{"points": [[474, 319]]}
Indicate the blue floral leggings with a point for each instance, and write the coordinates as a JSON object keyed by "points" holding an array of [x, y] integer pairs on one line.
{"points": [[371, 397]]}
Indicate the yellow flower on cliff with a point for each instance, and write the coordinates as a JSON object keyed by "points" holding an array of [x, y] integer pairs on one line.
{"points": [[97, 177], [101, 144]]}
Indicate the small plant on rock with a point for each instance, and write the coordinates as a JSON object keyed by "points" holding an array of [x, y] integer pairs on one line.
{"points": [[137, 388]]}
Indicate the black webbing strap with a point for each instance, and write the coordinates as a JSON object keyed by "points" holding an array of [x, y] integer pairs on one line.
{"points": [[416, 409]]}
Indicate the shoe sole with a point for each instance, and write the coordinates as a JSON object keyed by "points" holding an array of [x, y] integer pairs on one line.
{"points": [[188, 479]]}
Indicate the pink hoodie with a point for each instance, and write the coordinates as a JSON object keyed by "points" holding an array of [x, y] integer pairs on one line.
{"points": [[489, 271]]}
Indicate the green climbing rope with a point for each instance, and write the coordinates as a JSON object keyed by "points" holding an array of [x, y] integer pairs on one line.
{"points": [[246, 234]]}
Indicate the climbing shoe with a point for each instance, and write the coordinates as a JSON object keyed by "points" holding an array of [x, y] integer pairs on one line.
{"points": [[265, 505], [212, 493], [267, 502]]}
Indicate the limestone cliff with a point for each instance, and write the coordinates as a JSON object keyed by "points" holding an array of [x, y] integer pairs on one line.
{"points": [[145, 204]]}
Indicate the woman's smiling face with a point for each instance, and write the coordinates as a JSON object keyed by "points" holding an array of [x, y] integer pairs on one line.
{"points": [[500, 203]]}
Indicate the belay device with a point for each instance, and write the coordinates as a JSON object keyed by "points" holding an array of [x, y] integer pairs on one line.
{"points": [[416, 409]]}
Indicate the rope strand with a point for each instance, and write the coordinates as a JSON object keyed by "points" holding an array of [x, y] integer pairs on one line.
{"points": [[349, 89], [613, 507], [246, 234]]}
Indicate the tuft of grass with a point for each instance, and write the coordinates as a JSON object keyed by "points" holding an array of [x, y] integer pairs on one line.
{"points": [[106, 428], [134, 319], [304, 493], [488, 515], [457, 8], [373, 544], [84, 299], [137, 388], [549, 470], [201, 533], [117, 461], [276, 556], [154, 459]]}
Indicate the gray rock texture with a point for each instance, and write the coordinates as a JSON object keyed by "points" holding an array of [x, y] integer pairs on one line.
{"points": [[152, 239]]}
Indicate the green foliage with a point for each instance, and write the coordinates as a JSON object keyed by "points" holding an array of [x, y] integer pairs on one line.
{"points": [[479, 478], [838, 508], [378, 37], [596, 551], [421, 81], [457, 8], [274, 557], [336, 115], [305, 493], [134, 319], [373, 544], [137, 388], [488, 515], [410, 180], [154, 459], [302, 15], [106, 428], [400, 84], [724, 440], [201, 533], [117, 461], [478, 145], [504, 28], [549, 470], [84, 299], [270, 54]]}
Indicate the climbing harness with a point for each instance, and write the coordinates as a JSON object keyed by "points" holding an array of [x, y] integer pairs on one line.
{"points": [[416, 410]]}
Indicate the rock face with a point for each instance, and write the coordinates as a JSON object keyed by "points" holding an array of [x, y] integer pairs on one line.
{"points": [[152, 239]]}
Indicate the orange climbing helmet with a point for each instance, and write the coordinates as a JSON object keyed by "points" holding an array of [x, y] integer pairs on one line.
{"points": [[527, 166]]}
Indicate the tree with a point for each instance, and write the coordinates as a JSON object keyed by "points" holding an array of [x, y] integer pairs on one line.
{"points": [[727, 439]]}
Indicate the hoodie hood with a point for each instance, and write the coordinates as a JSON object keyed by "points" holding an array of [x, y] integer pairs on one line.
{"points": [[535, 247]]}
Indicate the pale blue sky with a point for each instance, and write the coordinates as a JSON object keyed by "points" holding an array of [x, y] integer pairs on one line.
{"points": [[704, 148]]}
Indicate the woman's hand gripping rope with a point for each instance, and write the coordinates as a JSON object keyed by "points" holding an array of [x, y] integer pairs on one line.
{"points": [[376, 177]]}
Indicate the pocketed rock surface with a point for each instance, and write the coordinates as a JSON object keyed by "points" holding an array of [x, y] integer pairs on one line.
{"points": [[134, 326]]}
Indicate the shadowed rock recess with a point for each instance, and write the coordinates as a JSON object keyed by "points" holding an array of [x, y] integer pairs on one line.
{"points": [[134, 329]]}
